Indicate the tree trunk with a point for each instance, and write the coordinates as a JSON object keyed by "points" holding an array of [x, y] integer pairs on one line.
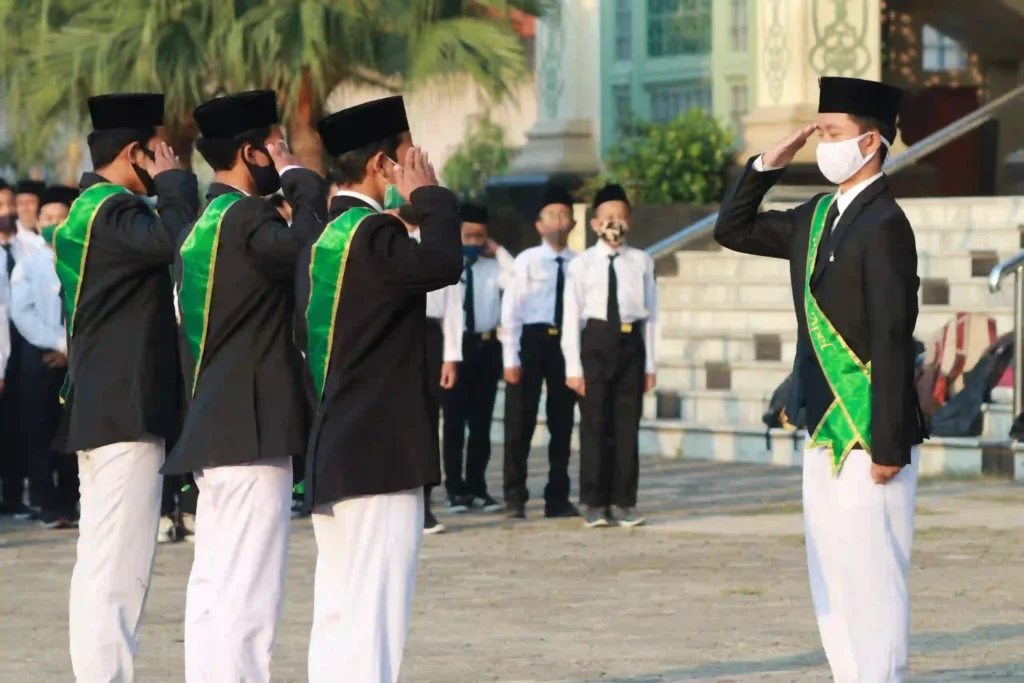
{"points": [[182, 139], [72, 163], [303, 138]]}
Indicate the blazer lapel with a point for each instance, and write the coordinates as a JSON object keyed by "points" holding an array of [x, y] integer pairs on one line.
{"points": [[830, 245]]}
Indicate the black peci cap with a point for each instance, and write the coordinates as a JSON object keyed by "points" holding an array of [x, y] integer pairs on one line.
{"points": [[555, 194], [363, 124], [126, 110], [611, 192], [59, 194], [35, 187], [857, 97], [227, 116], [473, 213]]}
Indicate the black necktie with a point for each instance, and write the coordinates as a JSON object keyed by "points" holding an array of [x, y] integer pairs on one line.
{"points": [[467, 302], [10, 259], [613, 293], [559, 292], [826, 233]]}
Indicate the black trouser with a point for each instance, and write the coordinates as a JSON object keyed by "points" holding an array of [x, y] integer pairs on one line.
{"points": [[613, 369], [13, 466], [39, 414], [471, 402], [435, 358], [541, 362]]}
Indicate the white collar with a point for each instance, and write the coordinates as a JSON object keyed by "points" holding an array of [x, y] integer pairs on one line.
{"points": [[844, 199], [608, 249], [550, 252], [362, 197], [415, 234]]}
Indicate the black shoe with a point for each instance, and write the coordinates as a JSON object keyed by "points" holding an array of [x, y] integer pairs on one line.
{"points": [[456, 505], [431, 526], [483, 503], [54, 520], [515, 510], [22, 512], [560, 510]]}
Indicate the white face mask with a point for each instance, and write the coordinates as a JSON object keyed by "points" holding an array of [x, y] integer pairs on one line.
{"points": [[839, 161]]}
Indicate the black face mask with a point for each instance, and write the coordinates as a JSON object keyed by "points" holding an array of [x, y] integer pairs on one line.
{"points": [[144, 177], [8, 225], [267, 179]]}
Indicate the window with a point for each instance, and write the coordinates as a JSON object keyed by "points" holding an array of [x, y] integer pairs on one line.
{"points": [[672, 99], [678, 27], [738, 108], [941, 53], [739, 30], [623, 105], [623, 30]]}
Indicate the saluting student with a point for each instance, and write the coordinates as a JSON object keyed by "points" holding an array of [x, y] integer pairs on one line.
{"points": [[123, 401], [37, 313], [444, 349], [532, 313], [248, 411], [373, 445], [611, 307], [470, 403], [853, 269]]}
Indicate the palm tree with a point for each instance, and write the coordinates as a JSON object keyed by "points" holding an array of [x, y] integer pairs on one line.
{"points": [[64, 51]]}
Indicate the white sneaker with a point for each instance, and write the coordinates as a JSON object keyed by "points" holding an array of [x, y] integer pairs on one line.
{"points": [[166, 532]]}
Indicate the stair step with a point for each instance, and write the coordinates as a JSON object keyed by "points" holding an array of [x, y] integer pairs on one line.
{"points": [[679, 344]]}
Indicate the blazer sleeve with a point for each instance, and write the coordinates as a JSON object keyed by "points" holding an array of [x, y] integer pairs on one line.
{"points": [[139, 234], [741, 227], [435, 262], [891, 284]]}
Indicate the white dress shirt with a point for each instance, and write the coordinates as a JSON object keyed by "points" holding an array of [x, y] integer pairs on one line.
{"points": [[361, 197], [26, 241], [843, 199], [36, 303], [5, 338], [445, 305], [490, 277], [586, 298], [530, 297]]}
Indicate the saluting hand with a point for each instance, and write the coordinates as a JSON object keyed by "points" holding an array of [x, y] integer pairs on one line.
{"points": [[282, 156], [784, 152], [414, 173], [164, 160]]}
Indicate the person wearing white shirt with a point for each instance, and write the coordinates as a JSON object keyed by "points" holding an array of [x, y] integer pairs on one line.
{"points": [[37, 313], [531, 324], [488, 269], [611, 308], [853, 271], [444, 349]]}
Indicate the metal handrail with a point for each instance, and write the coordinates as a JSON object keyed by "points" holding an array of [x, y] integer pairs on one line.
{"points": [[915, 153], [1014, 266]]}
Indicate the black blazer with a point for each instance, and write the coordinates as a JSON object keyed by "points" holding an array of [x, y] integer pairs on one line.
{"points": [[123, 359], [868, 292], [372, 433], [249, 403]]}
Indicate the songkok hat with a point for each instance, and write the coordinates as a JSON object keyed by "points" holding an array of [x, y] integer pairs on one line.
{"points": [[227, 116], [363, 124], [857, 97], [612, 192], [59, 194], [555, 194], [473, 213], [126, 110], [35, 187]]}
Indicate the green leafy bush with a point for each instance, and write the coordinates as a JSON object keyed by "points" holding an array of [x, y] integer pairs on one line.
{"points": [[682, 161], [482, 155]]}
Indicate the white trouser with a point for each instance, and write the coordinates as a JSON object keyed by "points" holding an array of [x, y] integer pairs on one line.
{"points": [[859, 539], [236, 586], [121, 489], [368, 553]]}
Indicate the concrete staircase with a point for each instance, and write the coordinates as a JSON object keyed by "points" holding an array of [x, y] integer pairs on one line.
{"points": [[728, 338]]}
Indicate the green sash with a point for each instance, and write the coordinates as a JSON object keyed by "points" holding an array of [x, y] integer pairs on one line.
{"points": [[46, 232], [326, 272], [71, 244], [198, 262], [847, 422]]}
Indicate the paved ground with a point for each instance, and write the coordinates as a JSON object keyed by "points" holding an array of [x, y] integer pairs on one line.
{"points": [[714, 590]]}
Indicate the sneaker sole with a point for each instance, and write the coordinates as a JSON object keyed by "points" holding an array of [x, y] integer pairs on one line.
{"points": [[59, 524], [434, 530], [491, 509], [635, 523], [599, 524], [458, 510]]}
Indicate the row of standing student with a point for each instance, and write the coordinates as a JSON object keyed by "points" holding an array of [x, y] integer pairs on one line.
{"points": [[581, 324]]}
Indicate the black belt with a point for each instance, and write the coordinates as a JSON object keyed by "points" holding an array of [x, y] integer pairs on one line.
{"points": [[545, 328], [483, 336], [434, 321], [624, 328]]}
